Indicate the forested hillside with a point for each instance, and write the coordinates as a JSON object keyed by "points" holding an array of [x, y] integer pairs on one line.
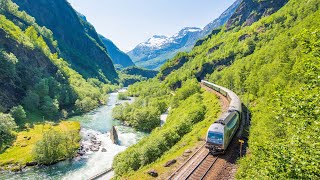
{"points": [[34, 75], [119, 58], [274, 65], [79, 43], [37, 86]]}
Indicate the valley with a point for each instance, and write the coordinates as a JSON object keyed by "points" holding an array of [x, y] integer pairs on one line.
{"points": [[175, 102]]}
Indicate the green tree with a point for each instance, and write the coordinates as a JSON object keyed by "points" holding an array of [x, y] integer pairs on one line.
{"points": [[7, 125], [42, 88], [50, 107], [32, 101], [47, 150], [55, 146], [86, 104], [18, 114]]}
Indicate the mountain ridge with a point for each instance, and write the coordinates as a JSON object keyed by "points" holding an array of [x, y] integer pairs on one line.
{"points": [[152, 55], [79, 43]]}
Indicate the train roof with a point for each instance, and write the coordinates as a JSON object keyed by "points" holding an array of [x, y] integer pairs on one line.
{"points": [[216, 127], [235, 102]]}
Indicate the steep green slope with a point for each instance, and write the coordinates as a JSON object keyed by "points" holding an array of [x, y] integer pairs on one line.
{"points": [[79, 44], [133, 74], [119, 58], [33, 74], [274, 66]]}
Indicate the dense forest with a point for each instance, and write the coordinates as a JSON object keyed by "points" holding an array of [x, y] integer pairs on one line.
{"points": [[273, 63]]}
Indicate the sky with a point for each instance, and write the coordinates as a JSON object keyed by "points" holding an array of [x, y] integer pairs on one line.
{"points": [[130, 22]]}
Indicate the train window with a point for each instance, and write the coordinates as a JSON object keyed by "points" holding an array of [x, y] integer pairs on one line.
{"points": [[233, 121], [215, 137]]}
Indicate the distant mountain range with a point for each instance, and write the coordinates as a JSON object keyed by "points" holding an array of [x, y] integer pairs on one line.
{"points": [[158, 49]]}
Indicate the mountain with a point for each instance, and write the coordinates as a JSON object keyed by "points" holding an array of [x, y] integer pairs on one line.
{"points": [[79, 43], [33, 73], [158, 49], [119, 58], [154, 52], [250, 11], [222, 19]]}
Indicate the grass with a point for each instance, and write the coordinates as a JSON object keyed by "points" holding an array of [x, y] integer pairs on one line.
{"points": [[189, 141], [20, 153]]}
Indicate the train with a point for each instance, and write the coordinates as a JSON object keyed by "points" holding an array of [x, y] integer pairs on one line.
{"points": [[221, 132]]}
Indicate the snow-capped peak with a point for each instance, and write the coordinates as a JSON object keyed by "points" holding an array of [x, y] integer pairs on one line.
{"points": [[156, 41]]}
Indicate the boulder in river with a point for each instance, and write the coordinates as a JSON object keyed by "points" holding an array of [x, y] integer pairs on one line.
{"points": [[103, 150], [114, 135], [94, 148]]}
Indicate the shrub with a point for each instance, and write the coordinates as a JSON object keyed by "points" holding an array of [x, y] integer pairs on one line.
{"points": [[18, 114], [7, 125]]}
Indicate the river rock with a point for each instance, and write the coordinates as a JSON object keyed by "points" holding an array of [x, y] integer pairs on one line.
{"points": [[153, 173], [94, 148], [81, 152], [95, 142], [114, 135], [31, 163], [103, 150], [169, 163]]}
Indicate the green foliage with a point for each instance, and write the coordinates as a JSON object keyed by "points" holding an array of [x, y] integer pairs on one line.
{"points": [[50, 107], [274, 66], [18, 114], [7, 125], [47, 90], [189, 87], [31, 101], [55, 146], [180, 122], [86, 104], [7, 64], [144, 113], [123, 96]]}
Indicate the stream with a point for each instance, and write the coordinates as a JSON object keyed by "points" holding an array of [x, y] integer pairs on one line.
{"points": [[94, 124]]}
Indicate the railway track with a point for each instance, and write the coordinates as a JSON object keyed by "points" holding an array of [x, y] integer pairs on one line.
{"points": [[196, 167], [203, 168]]}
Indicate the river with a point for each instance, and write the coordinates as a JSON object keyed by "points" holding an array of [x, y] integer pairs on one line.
{"points": [[96, 123]]}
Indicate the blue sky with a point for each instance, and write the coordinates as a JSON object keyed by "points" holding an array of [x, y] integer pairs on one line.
{"points": [[130, 22]]}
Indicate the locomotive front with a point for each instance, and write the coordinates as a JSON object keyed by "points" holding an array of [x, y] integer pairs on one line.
{"points": [[215, 138]]}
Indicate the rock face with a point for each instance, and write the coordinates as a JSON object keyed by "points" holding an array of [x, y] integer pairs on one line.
{"points": [[157, 50], [250, 11], [114, 135]]}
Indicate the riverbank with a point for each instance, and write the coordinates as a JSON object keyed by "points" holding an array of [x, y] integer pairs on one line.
{"points": [[95, 126], [20, 154]]}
